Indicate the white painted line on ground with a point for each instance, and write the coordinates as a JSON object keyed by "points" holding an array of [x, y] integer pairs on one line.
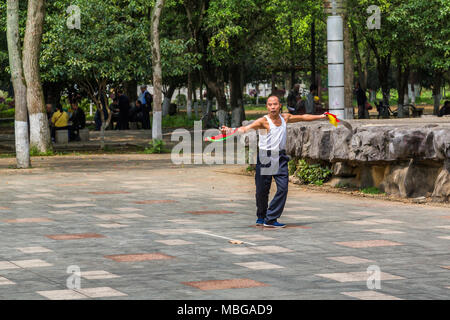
{"points": [[217, 236]]}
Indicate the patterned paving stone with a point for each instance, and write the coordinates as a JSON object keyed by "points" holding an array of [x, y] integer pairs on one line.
{"points": [[174, 242], [388, 221], [62, 212], [74, 236], [311, 208], [182, 221], [72, 205], [128, 209], [225, 284], [28, 220], [109, 192], [34, 250], [5, 282], [259, 265], [101, 292], [384, 231], [368, 243], [356, 276], [22, 202], [62, 295], [350, 260], [155, 201], [210, 212], [176, 231], [138, 257], [34, 263], [98, 274], [370, 295], [112, 225], [6, 265], [298, 216], [364, 213], [362, 223], [255, 237], [257, 250]]}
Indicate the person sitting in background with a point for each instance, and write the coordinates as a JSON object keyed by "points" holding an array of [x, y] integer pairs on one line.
{"points": [[60, 120], [49, 110], [124, 110], [98, 119], [300, 105], [445, 110], [136, 112], [292, 99], [78, 119], [310, 104]]}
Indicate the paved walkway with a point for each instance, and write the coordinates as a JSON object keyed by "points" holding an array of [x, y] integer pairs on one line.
{"points": [[138, 227]]}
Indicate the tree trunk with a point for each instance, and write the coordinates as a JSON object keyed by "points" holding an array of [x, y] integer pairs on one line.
{"points": [[241, 93], [437, 83], [383, 66], [189, 96], [235, 95], [131, 90], [348, 71], [358, 61], [39, 130], [167, 100], [313, 52], [292, 53], [157, 72], [402, 83], [20, 89]]}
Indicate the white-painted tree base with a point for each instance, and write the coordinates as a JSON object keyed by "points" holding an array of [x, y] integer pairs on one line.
{"points": [[22, 144], [157, 125], [39, 132]]}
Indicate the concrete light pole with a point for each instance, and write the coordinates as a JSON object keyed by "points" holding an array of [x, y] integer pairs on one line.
{"points": [[335, 52]]}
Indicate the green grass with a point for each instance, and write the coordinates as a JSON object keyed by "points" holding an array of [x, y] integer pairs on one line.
{"points": [[371, 190], [155, 146], [178, 121]]}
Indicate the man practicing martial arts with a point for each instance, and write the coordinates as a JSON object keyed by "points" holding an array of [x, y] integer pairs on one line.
{"points": [[272, 154]]}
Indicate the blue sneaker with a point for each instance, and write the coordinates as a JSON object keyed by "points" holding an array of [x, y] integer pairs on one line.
{"points": [[274, 225], [259, 221]]}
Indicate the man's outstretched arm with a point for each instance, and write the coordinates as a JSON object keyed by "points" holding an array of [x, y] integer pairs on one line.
{"points": [[257, 124], [290, 118]]}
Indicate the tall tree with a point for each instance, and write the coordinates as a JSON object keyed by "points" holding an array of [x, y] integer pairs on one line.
{"points": [[157, 71], [20, 89], [39, 129]]}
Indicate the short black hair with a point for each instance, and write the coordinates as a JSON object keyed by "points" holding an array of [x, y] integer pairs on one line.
{"points": [[273, 95]]}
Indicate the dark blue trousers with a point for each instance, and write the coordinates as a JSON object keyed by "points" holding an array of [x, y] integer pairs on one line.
{"points": [[263, 179]]}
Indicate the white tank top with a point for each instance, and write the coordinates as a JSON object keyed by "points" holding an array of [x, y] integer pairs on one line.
{"points": [[275, 139]]}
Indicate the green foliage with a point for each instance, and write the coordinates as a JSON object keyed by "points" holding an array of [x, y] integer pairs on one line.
{"points": [[155, 146], [312, 174], [178, 121], [292, 166], [181, 100], [34, 152], [371, 190]]}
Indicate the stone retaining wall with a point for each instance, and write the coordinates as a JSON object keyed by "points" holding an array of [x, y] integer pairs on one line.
{"points": [[405, 157]]}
